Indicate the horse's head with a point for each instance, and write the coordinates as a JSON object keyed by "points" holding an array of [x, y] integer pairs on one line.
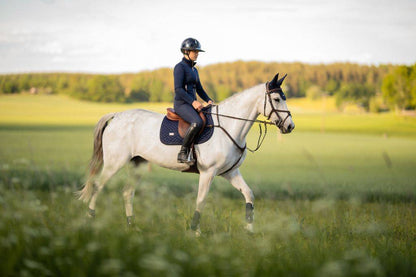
{"points": [[275, 108]]}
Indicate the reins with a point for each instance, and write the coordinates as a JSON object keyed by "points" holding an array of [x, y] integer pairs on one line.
{"points": [[239, 118], [261, 136], [242, 149], [265, 122]]}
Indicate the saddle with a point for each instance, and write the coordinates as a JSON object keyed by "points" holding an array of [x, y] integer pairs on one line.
{"points": [[182, 124], [173, 128]]}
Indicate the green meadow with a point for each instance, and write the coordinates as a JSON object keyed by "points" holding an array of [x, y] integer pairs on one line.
{"points": [[337, 197]]}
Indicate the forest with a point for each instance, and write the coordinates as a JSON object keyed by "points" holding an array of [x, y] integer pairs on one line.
{"points": [[373, 88]]}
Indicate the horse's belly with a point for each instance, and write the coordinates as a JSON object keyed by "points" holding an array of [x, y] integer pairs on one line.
{"points": [[146, 144]]}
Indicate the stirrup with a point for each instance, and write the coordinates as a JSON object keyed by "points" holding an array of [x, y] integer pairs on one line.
{"points": [[189, 158]]}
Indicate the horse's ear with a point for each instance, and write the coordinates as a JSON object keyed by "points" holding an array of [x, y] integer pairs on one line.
{"points": [[274, 81], [279, 83]]}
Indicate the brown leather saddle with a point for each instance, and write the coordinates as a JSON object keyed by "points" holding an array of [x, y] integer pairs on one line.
{"points": [[182, 124]]}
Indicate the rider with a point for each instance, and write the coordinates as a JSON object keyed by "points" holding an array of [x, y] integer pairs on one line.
{"points": [[187, 84]]}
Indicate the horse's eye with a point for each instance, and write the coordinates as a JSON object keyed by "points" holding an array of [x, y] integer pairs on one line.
{"points": [[277, 99]]}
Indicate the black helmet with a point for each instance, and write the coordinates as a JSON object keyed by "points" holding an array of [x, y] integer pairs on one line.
{"points": [[190, 44]]}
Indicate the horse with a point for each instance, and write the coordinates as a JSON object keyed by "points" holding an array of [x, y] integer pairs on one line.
{"points": [[133, 135]]}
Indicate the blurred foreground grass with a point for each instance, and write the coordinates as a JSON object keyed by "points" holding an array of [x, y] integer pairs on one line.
{"points": [[48, 234], [334, 203]]}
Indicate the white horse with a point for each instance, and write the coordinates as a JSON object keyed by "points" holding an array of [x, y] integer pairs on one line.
{"points": [[133, 135]]}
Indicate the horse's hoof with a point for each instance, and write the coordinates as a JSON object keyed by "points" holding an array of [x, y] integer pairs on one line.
{"points": [[91, 213], [198, 232], [249, 228], [130, 222]]}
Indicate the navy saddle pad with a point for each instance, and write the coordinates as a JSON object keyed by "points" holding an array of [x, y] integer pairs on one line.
{"points": [[169, 134]]}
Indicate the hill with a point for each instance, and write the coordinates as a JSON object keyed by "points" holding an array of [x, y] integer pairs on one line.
{"points": [[374, 88]]}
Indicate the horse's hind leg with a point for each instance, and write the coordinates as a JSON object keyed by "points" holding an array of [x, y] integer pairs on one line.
{"points": [[236, 179], [128, 194], [107, 172], [129, 189]]}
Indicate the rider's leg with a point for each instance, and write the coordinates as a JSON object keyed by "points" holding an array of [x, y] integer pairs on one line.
{"points": [[192, 131], [188, 113]]}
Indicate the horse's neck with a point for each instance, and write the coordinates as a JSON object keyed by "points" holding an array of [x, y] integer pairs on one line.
{"points": [[243, 105]]}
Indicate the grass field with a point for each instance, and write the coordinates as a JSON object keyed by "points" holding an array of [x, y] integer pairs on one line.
{"points": [[334, 198]]}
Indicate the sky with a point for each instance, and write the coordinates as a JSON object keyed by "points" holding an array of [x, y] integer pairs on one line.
{"points": [[109, 36]]}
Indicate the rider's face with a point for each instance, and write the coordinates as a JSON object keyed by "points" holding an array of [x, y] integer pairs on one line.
{"points": [[193, 55]]}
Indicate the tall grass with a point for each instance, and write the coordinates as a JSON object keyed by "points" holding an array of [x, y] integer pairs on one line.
{"points": [[327, 204], [48, 234]]}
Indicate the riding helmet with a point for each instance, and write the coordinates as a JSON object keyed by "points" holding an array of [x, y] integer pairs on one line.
{"points": [[191, 44]]}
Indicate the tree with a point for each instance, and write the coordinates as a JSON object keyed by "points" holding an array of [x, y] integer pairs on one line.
{"points": [[156, 90], [139, 90], [413, 86], [314, 92], [222, 92], [359, 94], [331, 86], [102, 88], [398, 88], [220, 81], [9, 85]]}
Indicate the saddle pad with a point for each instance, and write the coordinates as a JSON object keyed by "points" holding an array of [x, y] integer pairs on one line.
{"points": [[169, 134]]}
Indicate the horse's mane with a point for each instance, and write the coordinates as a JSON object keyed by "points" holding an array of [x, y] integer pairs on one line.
{"points": [[236, 95]]}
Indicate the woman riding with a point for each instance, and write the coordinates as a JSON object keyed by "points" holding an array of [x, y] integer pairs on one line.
{"points": [[187, 84]]}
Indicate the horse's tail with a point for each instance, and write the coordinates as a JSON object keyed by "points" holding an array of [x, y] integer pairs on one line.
{"points": [[96, 162]]}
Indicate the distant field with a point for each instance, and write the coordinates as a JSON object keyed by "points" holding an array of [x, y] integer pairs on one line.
{"points": [[18, 110], [58, 110], [337, 197]]}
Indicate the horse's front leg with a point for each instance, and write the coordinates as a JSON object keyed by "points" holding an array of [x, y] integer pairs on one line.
{"points": [[236, 179], [205, 180]]}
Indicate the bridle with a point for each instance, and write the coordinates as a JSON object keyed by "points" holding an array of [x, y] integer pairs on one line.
{"points": [[261, 138], [281, 122]]}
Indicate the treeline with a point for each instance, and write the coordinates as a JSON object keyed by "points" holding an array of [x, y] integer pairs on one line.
{"points": [[374, 88]]}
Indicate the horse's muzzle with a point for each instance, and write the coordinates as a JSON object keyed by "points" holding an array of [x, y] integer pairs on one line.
{"points": [[288, 129]]}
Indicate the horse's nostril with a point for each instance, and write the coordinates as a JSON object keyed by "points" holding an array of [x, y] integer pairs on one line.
{"points": [[289, 128]]}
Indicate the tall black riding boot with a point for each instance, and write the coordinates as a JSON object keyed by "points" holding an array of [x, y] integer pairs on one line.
{"points": [[192, 131]]}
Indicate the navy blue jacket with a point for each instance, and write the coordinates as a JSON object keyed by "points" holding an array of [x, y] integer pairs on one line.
{"points": [[187, 83]]}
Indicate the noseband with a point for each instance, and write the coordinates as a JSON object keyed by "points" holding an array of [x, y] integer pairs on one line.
{"points": [[281, 122]]}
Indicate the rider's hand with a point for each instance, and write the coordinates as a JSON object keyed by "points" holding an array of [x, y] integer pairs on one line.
{"points": [[210, 102], [197, 105]]}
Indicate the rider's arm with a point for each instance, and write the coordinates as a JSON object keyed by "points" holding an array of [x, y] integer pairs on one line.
{"points": [[179, 80]]}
